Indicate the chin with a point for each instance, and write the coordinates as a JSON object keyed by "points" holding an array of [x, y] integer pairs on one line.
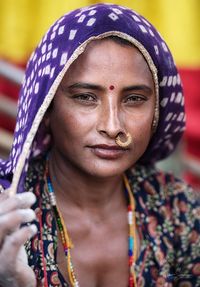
{"points": [[108, 170]]}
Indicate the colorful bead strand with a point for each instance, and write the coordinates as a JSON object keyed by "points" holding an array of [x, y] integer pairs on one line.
{"points": [[132, 233], [63, 234], [67, 245]]}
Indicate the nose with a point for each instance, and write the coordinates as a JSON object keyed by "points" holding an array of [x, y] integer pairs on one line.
{"points": [[110, 120]]}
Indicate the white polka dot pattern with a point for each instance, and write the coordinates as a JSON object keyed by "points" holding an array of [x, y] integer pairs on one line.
{"points": [[59, 46], [113, 16], [91, 21]]}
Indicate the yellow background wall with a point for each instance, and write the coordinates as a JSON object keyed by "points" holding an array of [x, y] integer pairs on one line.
{"points": [[23, 22]]}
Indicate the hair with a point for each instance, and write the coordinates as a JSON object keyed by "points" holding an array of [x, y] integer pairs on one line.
{"points": [[119, 40]]}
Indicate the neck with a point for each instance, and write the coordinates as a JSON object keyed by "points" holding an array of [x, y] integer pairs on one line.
{"points": [[75, 188]]}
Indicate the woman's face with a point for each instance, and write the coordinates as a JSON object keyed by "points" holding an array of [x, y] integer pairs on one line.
{"points": [[107, 90]]}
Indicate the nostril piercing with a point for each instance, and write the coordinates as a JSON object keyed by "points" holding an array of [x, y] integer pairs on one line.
{"points": [[123, 139]]}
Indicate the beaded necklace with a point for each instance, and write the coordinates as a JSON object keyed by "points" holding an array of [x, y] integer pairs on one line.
{"points": [[67, 244]]}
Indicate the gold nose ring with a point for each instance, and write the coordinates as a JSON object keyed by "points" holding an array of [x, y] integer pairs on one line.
{"points": [[123, 139]]}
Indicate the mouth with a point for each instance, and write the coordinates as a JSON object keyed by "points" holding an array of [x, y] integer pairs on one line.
{"points": [[104, 151]]}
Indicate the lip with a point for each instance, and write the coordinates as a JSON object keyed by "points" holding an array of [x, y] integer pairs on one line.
{"points": [[108, 151]]}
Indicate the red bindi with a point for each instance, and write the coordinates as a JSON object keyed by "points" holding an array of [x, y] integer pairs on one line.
{"points": [[111, 87]]}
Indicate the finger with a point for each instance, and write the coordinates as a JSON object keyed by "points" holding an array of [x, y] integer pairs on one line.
{"points": [[11, 221], [23, 200], [13, 243], [3, 196]]}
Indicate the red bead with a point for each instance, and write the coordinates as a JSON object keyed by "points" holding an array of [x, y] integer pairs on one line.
{"points": [[130, 261], [129, 208], [131, 283]]}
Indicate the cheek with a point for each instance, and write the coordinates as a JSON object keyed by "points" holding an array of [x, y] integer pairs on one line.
{"points": [[79, 123], [142, 121], [141, 128], [72, 123], [69, 125]]}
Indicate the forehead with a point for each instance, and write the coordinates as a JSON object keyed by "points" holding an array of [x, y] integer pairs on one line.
{"points": [[115, 55]]}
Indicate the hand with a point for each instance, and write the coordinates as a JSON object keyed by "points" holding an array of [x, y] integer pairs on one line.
{"points": [[15, 210]]}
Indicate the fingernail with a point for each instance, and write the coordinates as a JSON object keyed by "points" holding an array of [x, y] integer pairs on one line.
{"points": [[27, 197], [33, 229], [27, 214]]}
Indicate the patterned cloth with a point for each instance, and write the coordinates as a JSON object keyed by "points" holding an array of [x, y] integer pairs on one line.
{"points": [[60, 46], [167, 219], [166, 213]]}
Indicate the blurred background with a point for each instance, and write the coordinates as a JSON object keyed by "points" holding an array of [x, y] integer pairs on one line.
{"points": [[23, 23]]}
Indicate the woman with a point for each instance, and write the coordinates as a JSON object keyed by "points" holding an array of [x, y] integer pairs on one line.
{"points": [[100, 104]]}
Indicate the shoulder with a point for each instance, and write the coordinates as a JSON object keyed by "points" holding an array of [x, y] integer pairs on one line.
{"points": [[151, 182], [169, 213], [169, 200]]}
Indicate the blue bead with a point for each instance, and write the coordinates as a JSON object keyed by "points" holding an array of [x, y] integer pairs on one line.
{"points": [[131, 241], [130, 252]]}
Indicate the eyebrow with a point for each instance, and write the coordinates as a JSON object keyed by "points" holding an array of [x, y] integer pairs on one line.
{"points": [[138, 88], [86, 86], [95, 87]]}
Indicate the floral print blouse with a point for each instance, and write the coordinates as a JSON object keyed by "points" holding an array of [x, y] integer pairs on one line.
{"points": [[168, 221]]}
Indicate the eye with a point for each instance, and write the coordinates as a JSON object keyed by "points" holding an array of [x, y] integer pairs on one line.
{"points": [[85, 98], [135, 99]]}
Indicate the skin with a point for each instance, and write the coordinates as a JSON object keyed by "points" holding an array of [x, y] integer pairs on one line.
{"points": [[86, 176], [14, 211], [88, 181], [90, 116]]}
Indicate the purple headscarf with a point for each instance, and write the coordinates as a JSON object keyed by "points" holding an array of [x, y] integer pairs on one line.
{"points": [[62, 44]]}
